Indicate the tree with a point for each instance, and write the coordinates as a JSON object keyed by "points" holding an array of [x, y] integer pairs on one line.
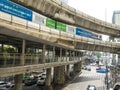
{"points": [[98, 54]]}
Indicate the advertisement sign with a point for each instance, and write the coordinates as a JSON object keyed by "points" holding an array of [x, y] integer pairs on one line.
{"points": [[15, 9]]}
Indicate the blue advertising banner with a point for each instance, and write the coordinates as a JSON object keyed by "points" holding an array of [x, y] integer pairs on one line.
{"points": [[82, 32], [15, 9]]}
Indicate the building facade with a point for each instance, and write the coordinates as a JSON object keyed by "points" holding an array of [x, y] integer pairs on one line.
{"points": [[116, 17], [116, 20]]}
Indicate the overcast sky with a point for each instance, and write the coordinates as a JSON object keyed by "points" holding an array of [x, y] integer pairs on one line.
{"points": [[97, 8]]}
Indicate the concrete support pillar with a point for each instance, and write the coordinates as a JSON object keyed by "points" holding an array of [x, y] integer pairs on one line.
{"points": [[43, 54], [59, 75], [18, 78], [48, 80], [4, 60], [23, 53], [66, 54], [77, 67], [53, 59], [18, 82], [49, 57], [70, 55], [37, 57], [74, 56], [67, 72], [78, 57], [2, 48], [61, 59], [37, 60]]}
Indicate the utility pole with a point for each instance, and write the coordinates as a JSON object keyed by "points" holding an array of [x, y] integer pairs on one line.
{"points": [[106, 78]]}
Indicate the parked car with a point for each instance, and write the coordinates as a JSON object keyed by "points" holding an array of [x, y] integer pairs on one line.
{"points": [[41, 81], [91, 87], [102, 70], [116, 86], [43, 75], [88, 67], [2, 84], [84, 67], [30, 81], [8, 86], [98, 68]]}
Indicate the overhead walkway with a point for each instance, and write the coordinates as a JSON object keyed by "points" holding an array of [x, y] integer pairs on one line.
{"points": [[19, 28], [62, 12], [21, 33]]}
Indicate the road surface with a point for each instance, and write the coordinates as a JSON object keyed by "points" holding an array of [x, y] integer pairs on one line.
{"points": [[87, 78]]}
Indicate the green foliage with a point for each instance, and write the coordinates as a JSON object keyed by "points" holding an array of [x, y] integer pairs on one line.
{"points": [[8, 49], [98, 54]]}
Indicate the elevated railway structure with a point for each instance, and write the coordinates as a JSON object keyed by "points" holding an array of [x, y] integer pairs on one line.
{"points": [[51, 48], [25, 35], [63, 12]]}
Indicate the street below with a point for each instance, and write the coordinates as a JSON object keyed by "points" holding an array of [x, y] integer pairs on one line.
{"points": [[86, 78]]}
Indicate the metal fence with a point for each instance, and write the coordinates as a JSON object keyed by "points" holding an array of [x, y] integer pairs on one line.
{"points": [[14, 59]]}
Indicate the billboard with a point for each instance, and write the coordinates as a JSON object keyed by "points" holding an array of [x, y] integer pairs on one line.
{"points": [[15, 9]]}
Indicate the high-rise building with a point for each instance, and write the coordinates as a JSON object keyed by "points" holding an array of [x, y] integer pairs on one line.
{"points": [[116, 20], [65, 1], [116, 17]]}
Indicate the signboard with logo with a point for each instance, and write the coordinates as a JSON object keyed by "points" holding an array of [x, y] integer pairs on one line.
{"points": [[15, 9]]}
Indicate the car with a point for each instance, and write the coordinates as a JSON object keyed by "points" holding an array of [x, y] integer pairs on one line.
{"points": [[2, 84], [91, 87], [30, 81], [8, 86], [84, 67], [88, 67], [43, 75], [98, 68], [41, 81], [116, 86], [102, 70]]}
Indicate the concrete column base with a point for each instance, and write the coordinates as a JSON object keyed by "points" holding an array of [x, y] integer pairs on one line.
{"points": [[18, 82], [77, 67], [48, 77], [59, 75], [68, 73], [48, 88]]}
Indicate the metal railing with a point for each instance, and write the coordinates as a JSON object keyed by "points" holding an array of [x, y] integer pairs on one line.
{"points": [[14, 59]]}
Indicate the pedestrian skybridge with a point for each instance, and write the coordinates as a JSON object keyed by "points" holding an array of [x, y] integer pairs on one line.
{"points": [[62, 48]]}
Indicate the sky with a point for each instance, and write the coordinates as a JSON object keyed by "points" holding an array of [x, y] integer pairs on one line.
{"points": [[100, 9]]}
